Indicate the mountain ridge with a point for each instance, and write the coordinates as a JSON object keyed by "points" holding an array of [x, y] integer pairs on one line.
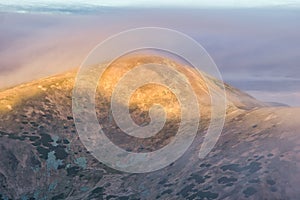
{"points": [[43, 158]]}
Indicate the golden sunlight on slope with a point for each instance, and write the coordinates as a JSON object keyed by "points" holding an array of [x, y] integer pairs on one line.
{"points": [[146, 96], [142, 98], [12, 97]]}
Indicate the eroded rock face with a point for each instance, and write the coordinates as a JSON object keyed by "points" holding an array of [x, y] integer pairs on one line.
{"points": [[256, 157]]}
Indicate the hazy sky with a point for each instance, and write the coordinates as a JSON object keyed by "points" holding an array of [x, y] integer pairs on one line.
{"points": [[256, 50], [168, 3]]}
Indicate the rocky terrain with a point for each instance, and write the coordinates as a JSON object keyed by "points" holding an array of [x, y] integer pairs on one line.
{"points": [[42, 157]]}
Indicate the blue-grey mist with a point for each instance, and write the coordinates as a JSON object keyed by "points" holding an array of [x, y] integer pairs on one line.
{"points": [[256, 50]]}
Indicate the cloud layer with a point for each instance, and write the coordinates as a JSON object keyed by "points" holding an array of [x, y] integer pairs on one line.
{"points": [[255, 50]]}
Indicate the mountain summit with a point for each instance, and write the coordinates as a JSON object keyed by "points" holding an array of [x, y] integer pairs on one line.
{"points": [[42, 156]]}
